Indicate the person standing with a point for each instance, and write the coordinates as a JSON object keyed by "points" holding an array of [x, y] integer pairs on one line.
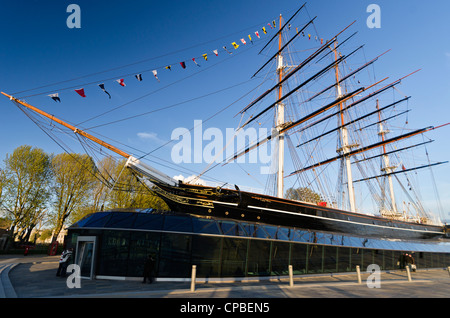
{"points": [[148, 269], [64, 260]]}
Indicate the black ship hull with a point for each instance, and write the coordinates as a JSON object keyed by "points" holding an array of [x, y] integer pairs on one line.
{"points": [[251, 207]]}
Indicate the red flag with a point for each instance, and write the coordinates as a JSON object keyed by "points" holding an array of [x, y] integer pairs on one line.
{"points": [[120, 81], [183, 65], [80, 92]]}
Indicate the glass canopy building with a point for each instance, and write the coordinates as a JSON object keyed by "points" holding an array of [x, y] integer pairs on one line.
{"points": [[115, 244]]}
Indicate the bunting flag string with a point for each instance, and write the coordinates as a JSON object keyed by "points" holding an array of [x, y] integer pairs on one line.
{"points": [[243, 41], [80, 91], [155, 73], [225, 48], [102, 86], [55, 97]]}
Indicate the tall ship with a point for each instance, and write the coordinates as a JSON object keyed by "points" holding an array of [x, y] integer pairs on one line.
{"points": [[335, 122]]}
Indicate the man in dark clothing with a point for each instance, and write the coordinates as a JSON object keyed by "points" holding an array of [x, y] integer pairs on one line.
{"points": [[148, 269]]}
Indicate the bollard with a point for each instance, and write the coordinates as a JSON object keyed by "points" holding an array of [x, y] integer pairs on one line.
{"points": [[291, 276], [193, 277], [358, 272], [408, 271]]}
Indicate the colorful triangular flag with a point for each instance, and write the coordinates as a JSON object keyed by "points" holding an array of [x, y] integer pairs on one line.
{"points": [[102, 86], [80, 91], [138, 77], [205, 56], [55, 97], [270, 25], [183, 65], [257, 34], [169, 67], [264, 30], [121, 82], [155, 73], [250, 38], [243, 41], [274, 24], [193, 59], [216, 52], [235, 45], [225, 48]]}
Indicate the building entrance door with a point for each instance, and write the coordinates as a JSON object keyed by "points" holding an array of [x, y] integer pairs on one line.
{"points": [[85, 259]]}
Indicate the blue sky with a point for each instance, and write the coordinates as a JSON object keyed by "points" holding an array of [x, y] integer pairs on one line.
{"points": [[39, 49]]}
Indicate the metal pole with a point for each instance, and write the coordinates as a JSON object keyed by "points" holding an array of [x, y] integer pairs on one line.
{"points": [[408, 271], [291, 276], [358, 272], [193, 276]]}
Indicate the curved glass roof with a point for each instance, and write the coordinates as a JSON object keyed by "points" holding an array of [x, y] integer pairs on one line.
{"points": [[152, 220]]}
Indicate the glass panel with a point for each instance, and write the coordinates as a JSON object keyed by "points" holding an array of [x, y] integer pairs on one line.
{"points": [[344, 259], [114, 251], [271, 230], [98, 219], [378, 258], [205, 226], [298, 258], [178, 223], [206, 255], [121, 220], [329, 259], [142, 244], [250, 229], [258, 258], [175, 255], [234, 253], [282, 234], [85, 258], [315, 253], [149, 221], [368, 256], [356, 258], [301, 236], [280, 258], [227, 226]]}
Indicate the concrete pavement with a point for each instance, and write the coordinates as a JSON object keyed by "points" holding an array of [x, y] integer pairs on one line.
{"points": [[35, 277]]}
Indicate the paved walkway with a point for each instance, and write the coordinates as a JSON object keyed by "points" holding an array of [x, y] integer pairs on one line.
{"points": [[34, 277]]}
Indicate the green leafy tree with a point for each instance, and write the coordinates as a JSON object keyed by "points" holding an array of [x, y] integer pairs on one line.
{"points": [[25, 189], [73, 182]]}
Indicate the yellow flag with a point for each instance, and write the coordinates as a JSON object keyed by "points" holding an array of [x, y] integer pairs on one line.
{"points": [[205, 56], [235, 45], [264, 30]]}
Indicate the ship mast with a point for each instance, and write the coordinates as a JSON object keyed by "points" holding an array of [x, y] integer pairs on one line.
{"points": [[280, 121], [387, 168], [345, 148]]}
